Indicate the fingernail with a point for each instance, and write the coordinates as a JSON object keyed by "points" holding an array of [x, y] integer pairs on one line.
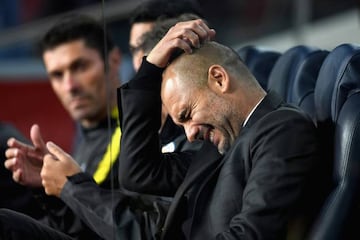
{"points": [[50, 144]]}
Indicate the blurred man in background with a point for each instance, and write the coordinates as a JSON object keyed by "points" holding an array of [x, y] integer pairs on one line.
{"points": [[84, 76]]}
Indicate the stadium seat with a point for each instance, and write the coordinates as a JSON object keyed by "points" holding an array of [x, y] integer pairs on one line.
{"points": [[337, 101], [301, 92], [296, 61], [260, 61]]}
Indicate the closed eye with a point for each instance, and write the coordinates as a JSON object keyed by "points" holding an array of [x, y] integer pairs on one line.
{"points": [[183, 116]]}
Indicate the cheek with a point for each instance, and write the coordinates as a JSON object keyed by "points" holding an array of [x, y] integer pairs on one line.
{"points": [[60, 91], [204, 117], [94, 80], [210, 117], [99, 90], [93, 85]]}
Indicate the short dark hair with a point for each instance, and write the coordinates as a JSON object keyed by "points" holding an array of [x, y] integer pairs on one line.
{"points": [[77, 27], [152, 10]]}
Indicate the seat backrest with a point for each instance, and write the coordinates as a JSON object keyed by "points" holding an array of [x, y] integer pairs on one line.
{"points": [[259, 60], [286, 68], [334, 75], [339, 216], [331, 78], [301, 92], [337, 101]]}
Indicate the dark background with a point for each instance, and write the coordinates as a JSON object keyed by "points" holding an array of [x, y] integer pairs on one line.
{"points": [[235, 21]]}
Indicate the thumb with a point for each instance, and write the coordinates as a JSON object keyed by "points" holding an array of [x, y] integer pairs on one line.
{"points": [[56, 151], [36, 138]]}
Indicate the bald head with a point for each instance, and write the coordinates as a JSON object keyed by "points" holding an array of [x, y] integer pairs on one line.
{"points": [[194, 68], [210, 92]]}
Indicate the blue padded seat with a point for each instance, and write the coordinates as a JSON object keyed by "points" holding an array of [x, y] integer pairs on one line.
{"points": [[337, 101], [288, 67], [259, 60], [301, 92], [340, 214], [336, 72]]}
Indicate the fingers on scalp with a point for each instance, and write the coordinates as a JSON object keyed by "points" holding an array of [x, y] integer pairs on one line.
{"points": [[193, 38], [180, 43], [210, 33], [189, 36]]}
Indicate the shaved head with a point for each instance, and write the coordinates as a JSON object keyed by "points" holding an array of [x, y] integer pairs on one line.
{"points": [[194, 67], [210, 92]]}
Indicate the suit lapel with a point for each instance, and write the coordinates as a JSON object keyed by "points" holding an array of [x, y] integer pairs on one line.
{"points": [[270, 102], [210, 180], [205, 161]]}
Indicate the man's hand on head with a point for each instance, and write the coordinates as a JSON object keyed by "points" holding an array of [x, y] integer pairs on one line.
{"points": [[185, 36]]}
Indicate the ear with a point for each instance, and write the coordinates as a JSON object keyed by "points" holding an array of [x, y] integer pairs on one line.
{"points": [[115, 57], [218, 79]]}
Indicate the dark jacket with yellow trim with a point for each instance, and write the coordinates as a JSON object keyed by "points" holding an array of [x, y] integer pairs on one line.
{"points": [[88, 152], [126, 214]]}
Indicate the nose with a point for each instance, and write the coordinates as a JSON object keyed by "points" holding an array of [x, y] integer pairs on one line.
{"points": [[70, 82], [191, 132]]}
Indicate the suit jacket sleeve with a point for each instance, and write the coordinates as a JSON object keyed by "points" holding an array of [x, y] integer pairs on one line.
{"points": [[143, 168]]}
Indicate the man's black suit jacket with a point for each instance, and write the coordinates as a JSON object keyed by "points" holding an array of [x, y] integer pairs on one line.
{"points": [[252, 192]]}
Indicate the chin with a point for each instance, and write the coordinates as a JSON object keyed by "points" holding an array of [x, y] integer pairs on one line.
{"points": [[79, 116]]}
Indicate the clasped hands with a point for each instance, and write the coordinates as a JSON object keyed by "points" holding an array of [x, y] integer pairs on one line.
{"points": [[40, 165]]}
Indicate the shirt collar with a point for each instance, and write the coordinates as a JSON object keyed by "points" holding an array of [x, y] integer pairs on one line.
{"points": [[248, 116]]}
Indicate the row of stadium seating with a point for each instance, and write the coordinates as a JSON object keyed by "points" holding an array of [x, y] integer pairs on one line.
{"points": [[326, 85]]}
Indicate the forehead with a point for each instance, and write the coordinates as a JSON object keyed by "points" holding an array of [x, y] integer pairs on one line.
{"points": [[137, 30], [68, 52], [176, 96], [174, 99]]}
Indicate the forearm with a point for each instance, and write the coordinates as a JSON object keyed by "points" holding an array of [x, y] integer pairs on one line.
{"points": [[94, 205], [112, 214], [143, 168], [58, 215]]}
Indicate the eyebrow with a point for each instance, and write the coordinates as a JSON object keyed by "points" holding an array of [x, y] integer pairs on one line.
{"points": [[75, 63], [133, 49]]}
